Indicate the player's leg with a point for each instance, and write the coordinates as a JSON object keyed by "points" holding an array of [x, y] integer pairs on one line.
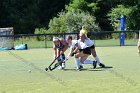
{"points": [[77, 60], [61, 60], [62, 56], [86, 52], [84, 60], [94, 54]]}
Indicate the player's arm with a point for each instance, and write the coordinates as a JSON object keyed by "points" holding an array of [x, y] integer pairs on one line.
{"points": [[90, 43], [76, 49], [70, 52], [73, 50], [65, 45]]}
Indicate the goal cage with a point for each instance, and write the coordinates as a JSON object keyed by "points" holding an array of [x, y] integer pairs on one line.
{"points": [[6, 38]]}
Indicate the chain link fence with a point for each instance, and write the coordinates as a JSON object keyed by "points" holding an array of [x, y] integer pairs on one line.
{"points": [[100, 39]]}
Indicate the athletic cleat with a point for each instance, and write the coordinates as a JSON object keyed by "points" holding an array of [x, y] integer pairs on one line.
{"points": [[60, 67], [63, 68], [94, 64], [81, 67], [102, 65], [78, 69], [63, 65]]}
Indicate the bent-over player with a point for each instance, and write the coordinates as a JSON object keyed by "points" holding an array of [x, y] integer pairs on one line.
{"points": [[60, 46]]}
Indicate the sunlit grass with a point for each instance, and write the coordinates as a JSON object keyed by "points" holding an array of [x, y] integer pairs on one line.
{"points": [[122, 76]]}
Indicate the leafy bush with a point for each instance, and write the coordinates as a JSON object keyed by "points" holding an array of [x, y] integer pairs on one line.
{"points": [[72, 22]]}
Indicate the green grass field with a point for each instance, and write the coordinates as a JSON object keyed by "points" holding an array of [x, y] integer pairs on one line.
{"points": [[123, 77]]}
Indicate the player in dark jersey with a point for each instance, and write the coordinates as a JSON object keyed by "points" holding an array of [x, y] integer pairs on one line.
{"points": [[60, 46]]}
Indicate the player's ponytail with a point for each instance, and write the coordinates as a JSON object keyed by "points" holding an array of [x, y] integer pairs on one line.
{"points": [[83, 31]]}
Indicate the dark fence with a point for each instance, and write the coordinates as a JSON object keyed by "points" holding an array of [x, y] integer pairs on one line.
{"points": [[101, 39]]}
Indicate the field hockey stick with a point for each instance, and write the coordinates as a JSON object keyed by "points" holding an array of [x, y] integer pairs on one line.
{"points": [[65, 60], [49, 67], [56, 65]]}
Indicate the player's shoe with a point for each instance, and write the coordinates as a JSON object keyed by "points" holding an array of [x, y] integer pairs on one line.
{"points": [[60, 67], [63, 65], [102, 65], [94, 64], [80, 68]]}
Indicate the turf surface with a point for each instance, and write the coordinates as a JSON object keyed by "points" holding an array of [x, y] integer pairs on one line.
{"points": [[23, 72]]}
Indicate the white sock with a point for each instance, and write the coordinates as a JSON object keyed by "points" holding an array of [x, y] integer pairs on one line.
{"points": [[63, 65], [97, 59], [80, 62], [77, 62], [88, 62]]}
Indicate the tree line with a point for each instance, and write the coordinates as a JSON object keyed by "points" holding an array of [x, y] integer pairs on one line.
{"points": [[55, 16]]}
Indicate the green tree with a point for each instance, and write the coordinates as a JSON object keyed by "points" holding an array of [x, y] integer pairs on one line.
{"points": [[114, 17], [97, 8], [115, 13], [77, 5], [26, 15], [72, 22]]}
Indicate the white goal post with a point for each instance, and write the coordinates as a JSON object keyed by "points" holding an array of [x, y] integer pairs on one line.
{"points": [[6, 39]]}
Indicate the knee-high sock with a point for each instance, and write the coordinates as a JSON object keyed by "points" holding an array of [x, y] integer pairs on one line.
{"points": [[77, 62], [97, 59], [88, 62], [80, 62]]}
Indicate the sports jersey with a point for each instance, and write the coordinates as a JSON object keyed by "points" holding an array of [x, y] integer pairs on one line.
{"points": [[61, 46], [79, 43], [88, 42], [74, 42], [82, 45]]}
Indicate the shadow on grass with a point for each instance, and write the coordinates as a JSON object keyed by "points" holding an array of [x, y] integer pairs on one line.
{"points": [[107, 67], [91, 69]]}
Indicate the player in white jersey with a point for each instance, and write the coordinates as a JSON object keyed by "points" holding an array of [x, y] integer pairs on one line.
{"points": [[89, 43], [81, 51]]}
